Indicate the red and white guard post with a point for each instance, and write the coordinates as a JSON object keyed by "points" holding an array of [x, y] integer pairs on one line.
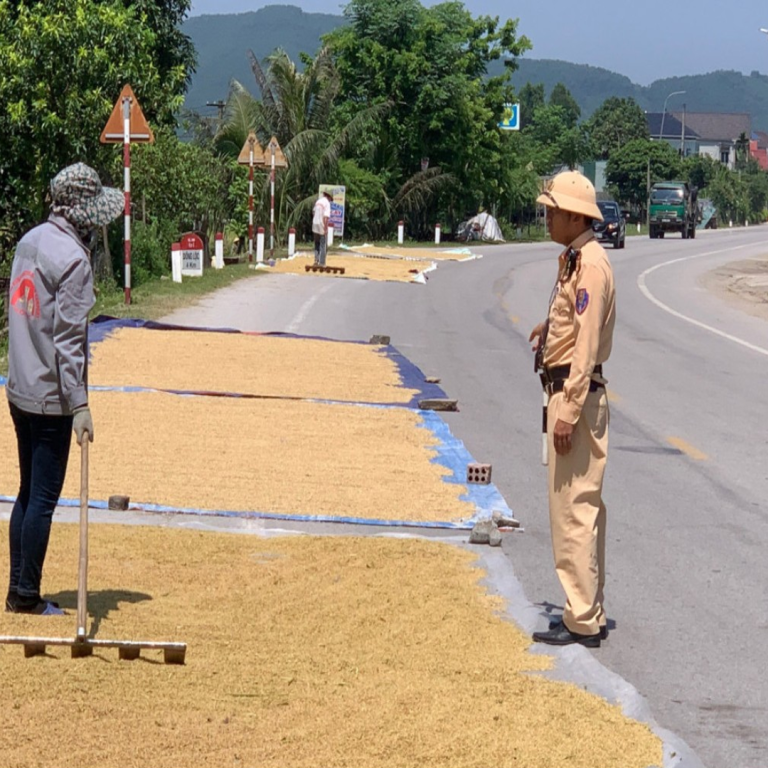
{"points": [[127, 125], [251, 155]]}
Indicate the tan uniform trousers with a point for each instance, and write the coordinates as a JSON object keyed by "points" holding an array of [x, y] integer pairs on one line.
{"points": [[577, 513]]}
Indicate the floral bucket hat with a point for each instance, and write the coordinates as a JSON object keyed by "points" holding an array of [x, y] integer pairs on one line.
{"points": [[80, 198]]}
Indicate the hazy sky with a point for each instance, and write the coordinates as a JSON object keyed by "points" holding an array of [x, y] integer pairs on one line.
{"points": [[645, 40]]}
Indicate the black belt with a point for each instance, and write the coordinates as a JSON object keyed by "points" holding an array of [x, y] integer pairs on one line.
{"points": [[553, 379]]}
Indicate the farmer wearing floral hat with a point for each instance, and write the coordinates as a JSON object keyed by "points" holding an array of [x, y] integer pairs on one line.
{"points": [[50, 298]]}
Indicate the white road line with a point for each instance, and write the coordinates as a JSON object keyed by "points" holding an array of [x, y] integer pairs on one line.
{"points": [[295, 324], [641, 284]]}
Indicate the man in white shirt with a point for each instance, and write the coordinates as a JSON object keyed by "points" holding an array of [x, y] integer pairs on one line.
{"points": [[321, 214]]}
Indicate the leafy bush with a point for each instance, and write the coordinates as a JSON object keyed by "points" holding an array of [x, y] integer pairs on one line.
{"points": [[150, 251]]}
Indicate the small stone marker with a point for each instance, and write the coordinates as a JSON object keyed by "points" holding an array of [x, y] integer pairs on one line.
{"points": [[379, 340], [439, 404], [119, 502], [479, 473]]}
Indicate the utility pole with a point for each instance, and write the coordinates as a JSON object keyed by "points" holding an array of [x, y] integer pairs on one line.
{"points": [[682, 135], [220, 106], [648, 197]]}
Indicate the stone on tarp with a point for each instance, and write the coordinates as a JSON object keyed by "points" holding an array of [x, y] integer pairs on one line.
{"points": [[481, 532]]}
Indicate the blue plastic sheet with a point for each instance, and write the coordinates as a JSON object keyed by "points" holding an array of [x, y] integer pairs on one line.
{"points": [[451, 452]]}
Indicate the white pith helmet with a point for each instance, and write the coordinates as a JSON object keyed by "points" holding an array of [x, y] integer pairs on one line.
{"points": [[571, 191]]}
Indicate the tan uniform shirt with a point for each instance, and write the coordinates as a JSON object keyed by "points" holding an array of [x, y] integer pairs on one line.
{"points": [[581, 321]]}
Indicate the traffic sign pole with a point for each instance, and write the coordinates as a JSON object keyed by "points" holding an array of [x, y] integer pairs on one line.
{"points": [[250, 209], [127, 123], [127, 164], [272, 204]]}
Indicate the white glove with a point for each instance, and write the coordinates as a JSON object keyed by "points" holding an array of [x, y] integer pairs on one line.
{"points": [[82, 423]]}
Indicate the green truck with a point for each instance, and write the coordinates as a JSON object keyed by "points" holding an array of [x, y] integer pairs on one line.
{"points": [[673, 208]]}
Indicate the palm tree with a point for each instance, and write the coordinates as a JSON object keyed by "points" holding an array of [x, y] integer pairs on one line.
{"points": [[296, 106]]}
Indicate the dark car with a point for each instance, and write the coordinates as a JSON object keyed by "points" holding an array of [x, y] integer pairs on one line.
{"points": [[613, 227]]}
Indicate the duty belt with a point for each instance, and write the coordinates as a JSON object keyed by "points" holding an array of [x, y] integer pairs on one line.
{"points": [[553, 379]]}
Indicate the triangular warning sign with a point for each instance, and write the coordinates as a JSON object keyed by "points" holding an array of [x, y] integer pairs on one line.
{"points": [[280, 161], [114, 130], [244, 158]]}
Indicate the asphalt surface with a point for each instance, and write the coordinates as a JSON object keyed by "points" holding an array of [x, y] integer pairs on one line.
{"points": [[687, 471]]}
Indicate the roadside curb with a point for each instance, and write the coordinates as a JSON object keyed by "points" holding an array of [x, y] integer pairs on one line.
{"points": [[574, 663]]}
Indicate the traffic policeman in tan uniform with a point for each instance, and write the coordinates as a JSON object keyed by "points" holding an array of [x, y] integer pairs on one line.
{"points": [[571, 348]]}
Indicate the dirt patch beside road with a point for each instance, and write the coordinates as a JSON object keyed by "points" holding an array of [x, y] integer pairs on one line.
{"points": [[742, 284]]}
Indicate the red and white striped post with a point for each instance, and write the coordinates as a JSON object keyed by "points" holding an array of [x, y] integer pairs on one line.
{"points": [[272, 203], [250, 208], [291, 242], [437, 234], [127, 165]]}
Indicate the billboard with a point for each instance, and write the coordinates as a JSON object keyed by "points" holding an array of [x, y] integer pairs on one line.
{"points": [[338, 205]]}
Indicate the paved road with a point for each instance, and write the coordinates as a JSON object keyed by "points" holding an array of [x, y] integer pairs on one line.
{"points": [[688, 469]]}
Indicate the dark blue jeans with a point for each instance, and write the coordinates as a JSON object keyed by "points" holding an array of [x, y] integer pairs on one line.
{"points": [[43, 454], [320, 248]]}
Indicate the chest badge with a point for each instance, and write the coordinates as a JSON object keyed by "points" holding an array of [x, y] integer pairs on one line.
{"points": [[582, 301]]}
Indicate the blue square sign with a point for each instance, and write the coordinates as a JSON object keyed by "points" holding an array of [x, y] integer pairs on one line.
{"points": [[510, 118]]}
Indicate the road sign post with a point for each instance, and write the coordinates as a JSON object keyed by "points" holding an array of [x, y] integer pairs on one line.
{"points": [[127, 124], [127, 184], [277, 160], [272, 202], [251, 155]]}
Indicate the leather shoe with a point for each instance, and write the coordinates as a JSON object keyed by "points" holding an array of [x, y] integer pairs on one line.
{"points": [[603, 630], [561, 635]]}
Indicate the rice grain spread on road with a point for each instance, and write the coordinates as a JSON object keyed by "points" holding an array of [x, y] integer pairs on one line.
{"points": [[284, 456], [354, 267], [247, 364], [303, 652]]}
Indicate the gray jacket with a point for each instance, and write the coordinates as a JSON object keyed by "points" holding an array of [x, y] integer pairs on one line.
{"points": [[50, 298]]}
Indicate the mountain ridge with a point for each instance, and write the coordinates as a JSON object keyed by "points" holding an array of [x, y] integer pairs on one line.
{"points": [[223, 40]]}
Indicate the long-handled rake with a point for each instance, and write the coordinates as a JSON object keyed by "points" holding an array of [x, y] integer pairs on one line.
{"points": [[82, 645]]}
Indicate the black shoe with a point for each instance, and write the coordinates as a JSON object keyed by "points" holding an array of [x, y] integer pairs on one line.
{"points": [[561, 635], [41, 608], [603, 630]]}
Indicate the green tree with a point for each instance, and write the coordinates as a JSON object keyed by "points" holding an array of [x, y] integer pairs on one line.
{"points": [[729, 196], [173, 51], [557, 142], [561, 97], [742, 152], [431, 65], [756, 182], [296, 106], [531, 98], [631, 167], [700, 170], [62, 67], [615, 123]]}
